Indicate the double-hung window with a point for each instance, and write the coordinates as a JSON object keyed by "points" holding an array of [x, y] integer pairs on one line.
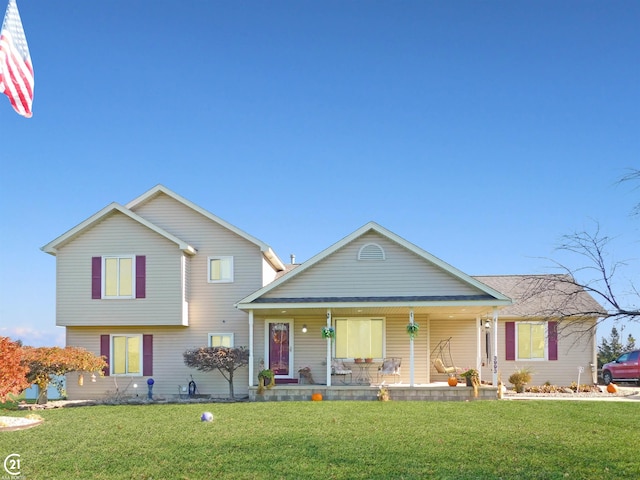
{"points": [[359, 337], [220, 269], [126, 354], [531, 340], [221, 340], [119, 277]]}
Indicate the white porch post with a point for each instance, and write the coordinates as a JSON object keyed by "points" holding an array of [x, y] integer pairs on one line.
{"points": [[479, 346], [495, 347], [411, 366], [251, 358], [328, 349]]}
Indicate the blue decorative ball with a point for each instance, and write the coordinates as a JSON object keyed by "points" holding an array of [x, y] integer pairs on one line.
{"points": [[207, 417]]}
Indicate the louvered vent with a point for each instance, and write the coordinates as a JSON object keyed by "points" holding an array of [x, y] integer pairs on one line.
{"points": [[371, 251]]}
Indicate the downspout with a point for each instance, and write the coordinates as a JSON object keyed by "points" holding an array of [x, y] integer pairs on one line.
{"points": [[495, 347], [411, 365], [328, 349], [251, 348]]}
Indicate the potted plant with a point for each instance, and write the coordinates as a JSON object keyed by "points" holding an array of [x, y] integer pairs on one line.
{"points": [[266, 379], [412, 329], [520, 378], [471, 376], [328, 332]]}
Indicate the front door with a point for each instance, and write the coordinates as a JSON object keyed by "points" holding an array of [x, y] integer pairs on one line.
{"points": [[280, 348]]}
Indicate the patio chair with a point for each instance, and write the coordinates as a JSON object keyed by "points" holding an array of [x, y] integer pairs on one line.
{"points": [[441, 368], [340, 370], [390, 366]]}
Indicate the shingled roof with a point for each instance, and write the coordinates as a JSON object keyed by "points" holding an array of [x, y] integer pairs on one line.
{"points": [[543, 296]]}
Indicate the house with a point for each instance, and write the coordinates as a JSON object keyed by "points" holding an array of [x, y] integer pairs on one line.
{"points": [[143, 282]]}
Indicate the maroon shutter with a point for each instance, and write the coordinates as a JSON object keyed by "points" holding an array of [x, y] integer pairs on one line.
{"points": [[96, 277], [105, 351], [510, 336], [141, 276], [147, 355], [552, 333]]}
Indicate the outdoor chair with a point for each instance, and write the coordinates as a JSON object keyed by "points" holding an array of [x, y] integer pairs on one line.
{"points": [[340, 370], [441, 368], [390, 366]]}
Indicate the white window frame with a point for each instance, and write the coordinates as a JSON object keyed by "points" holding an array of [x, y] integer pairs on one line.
{"points": [[230, 335], [384, 330], [545, 349], [112, 355], [104, 276], [228, 279]]}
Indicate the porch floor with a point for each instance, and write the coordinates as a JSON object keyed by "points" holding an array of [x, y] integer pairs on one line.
{"points": [[398, 391]]}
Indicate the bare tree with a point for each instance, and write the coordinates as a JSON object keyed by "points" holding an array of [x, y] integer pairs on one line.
{"points": [[633, 176]]}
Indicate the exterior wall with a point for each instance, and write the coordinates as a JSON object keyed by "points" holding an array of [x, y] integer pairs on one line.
{"points": [[402, 273], [119, 235], [169, 370], [210, 305], [575, 349], [463, 345]]}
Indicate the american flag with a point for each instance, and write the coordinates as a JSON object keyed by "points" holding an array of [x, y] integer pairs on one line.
{"points": [[16, 71]]}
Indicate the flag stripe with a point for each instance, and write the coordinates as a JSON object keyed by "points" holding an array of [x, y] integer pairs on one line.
{"points": [[16, 70]]}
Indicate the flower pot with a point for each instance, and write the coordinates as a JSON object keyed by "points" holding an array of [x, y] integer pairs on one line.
{"points": [[368, 360], [469, 381]]}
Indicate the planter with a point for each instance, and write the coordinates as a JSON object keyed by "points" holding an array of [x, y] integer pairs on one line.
{"points": [[358, 360], [368, 360]]}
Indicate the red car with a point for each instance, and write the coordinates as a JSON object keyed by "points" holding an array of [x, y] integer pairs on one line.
{"points": [[626, 368]]}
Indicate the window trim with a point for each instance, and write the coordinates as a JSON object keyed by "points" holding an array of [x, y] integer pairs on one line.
{"points": [[545, 348], [220, 334], [230, 279], [112, 355], [103, 275]]}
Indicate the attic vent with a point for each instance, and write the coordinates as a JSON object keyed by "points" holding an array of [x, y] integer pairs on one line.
{"points": [[371, 251]]}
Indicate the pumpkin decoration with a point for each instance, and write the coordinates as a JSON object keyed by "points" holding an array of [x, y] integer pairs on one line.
{"points": [[612, 388], [452, 381], [316, 397]]}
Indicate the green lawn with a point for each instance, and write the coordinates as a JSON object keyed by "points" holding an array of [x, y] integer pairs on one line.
{"points": [[333, 440]]}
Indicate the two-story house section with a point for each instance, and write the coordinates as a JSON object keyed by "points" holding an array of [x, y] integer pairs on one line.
{"points": [[142, 282]]}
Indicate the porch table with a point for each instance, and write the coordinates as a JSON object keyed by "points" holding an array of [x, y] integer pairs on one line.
{"points": [[363, 372]]}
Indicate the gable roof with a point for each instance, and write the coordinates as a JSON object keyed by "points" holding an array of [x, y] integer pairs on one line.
{"points": [[488, 294], [266, 250], [52, 247]]}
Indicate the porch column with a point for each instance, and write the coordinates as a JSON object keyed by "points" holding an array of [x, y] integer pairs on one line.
{"points": [[251, 348], [495, 347], [479, 346], [328, 349], [411, 366]]}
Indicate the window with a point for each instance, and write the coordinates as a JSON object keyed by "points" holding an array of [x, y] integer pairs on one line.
{"points": [[359, 337], [221, 340], [530, 341], [126, 354], [118, 276], [220, 269]]}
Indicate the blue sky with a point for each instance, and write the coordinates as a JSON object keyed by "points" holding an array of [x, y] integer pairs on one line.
{"points": [[482, 131]]}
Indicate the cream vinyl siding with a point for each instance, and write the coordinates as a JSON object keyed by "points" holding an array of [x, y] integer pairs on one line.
{"points": [[169, 370], [402, 273], [575, 349], [463, 333], [117, 234]]}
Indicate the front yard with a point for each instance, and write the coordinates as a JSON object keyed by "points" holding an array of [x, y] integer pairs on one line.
{"points": [[340, 440]]}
